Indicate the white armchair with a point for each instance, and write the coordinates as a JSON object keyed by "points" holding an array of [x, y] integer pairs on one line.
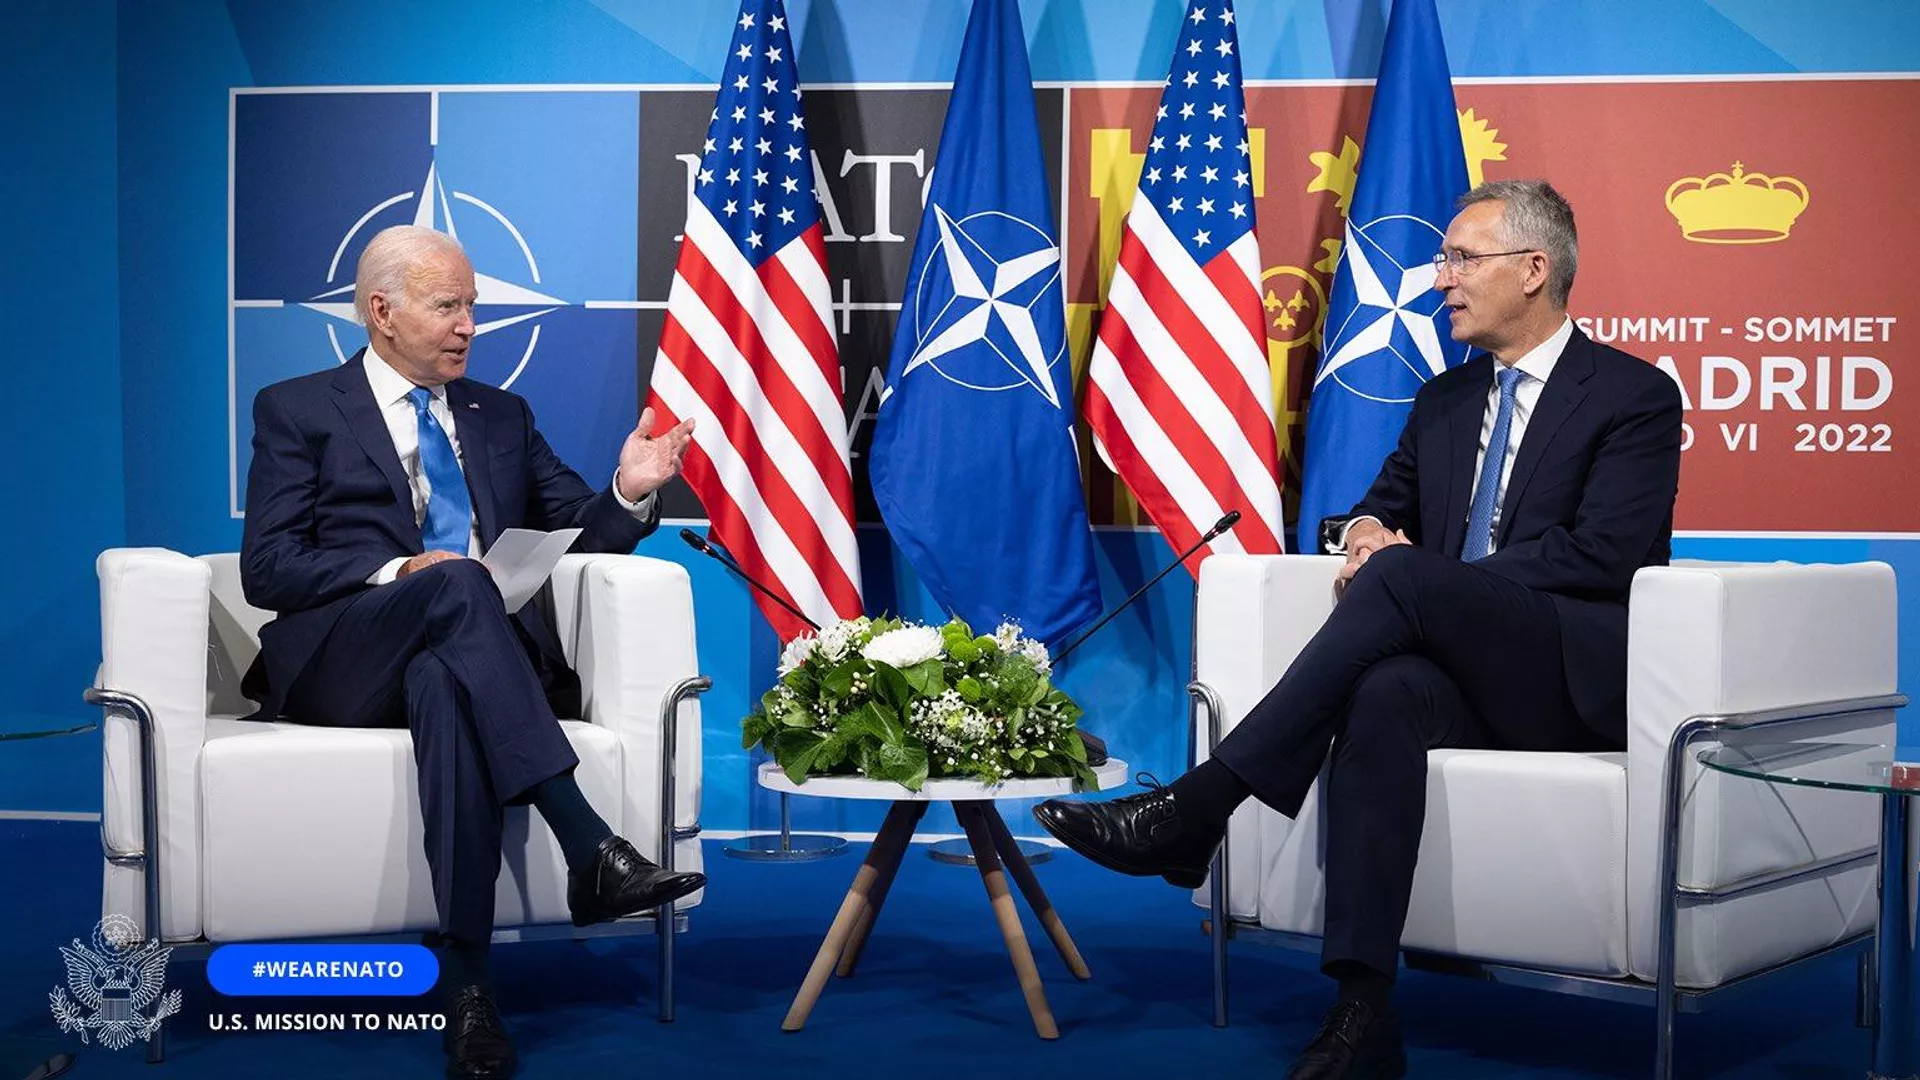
{"points": [[219, 830], [1636, 875]]}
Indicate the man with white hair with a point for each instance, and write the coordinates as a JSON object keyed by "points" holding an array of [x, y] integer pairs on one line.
{"points": [[372, 487], [1487, 576]]}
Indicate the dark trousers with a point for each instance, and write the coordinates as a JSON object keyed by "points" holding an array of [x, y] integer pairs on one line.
{"points": [[1422, 651], [437, 652]]}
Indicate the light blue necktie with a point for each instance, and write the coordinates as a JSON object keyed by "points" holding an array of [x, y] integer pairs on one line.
{"points": [[449, 523], [1487, 491]]}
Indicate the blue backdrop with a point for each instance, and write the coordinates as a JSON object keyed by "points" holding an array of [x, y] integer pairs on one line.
{"points": [[113, 199]]}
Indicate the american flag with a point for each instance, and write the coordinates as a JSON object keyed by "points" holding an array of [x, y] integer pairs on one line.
{"points": [[1179, 393], [748, 349]]}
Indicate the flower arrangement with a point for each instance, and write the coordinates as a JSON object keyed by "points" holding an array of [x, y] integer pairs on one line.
{"points": [[901, 701]]}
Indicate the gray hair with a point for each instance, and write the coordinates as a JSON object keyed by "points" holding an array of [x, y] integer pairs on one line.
{"points": [[1537, 218], [388, 258]]}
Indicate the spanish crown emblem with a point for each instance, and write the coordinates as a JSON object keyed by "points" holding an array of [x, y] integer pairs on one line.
{"points": [[1736, 208], [118, 979]]}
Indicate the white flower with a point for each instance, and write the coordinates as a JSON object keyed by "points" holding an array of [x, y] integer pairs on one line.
{"points": [[835, 639], [904, 647], [1008, 636], [797, 652]]}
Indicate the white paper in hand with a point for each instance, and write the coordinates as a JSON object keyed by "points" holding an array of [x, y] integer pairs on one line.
{"points": [[521, 560]]}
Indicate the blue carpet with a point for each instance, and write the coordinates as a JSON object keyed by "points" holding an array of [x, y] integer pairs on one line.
{"points": [[934, 997]]}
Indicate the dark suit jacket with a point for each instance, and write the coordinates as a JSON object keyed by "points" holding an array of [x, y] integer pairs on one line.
{"points": [[1589, 502], [328, 505]]}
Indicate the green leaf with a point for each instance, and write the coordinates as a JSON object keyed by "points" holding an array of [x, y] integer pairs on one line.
{"points": [[796, 752], [1084, 779], [832, 751], [893, 686], [903, 762], [1037, 692], [875, 721], [1076, 746], [838, 680], [926, 677], [802, 681]]}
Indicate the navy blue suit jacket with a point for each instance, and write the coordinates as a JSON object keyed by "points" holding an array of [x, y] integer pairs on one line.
{"points": [[328, 505], [1589, 501]]}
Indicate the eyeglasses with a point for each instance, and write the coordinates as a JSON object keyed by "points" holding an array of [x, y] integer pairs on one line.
{"points": [[1457, 261]]}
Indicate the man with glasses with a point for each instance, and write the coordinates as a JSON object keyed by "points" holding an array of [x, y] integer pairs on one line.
{"points": [[1484, 605]]}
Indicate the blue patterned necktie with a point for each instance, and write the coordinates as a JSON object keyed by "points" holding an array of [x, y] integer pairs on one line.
{"points": [[449, 523], [1487, 491]]}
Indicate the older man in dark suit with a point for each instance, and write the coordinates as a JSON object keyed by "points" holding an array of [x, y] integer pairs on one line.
{"points": [[371, 486], [1485, 605]]}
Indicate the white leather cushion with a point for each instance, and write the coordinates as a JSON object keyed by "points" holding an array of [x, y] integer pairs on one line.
{"points": [[1522, 861], [1253, 614], [312, 832], [632, 640], [153, 632]]}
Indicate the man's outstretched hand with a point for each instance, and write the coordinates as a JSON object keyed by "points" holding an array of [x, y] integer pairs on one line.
{"points": [[648, 461]]}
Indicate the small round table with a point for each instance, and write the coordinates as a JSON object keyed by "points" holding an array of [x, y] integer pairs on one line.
{"points": [[24, 1055], [1893, 773], [995, 853]]}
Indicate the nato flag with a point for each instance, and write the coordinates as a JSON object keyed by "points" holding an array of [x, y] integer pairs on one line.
{"points": [[973, 462], [1387, 331]]}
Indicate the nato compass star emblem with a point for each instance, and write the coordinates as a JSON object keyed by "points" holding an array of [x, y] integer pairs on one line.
{"points": [[983, 334], [502, 303], [1398, 333]]}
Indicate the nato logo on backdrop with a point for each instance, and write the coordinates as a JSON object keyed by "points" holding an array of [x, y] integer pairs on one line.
{"points": [[542, 189]]}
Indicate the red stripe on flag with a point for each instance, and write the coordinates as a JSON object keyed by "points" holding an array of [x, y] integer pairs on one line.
{"points": [[1141, 479], [1197, 341], [1241, 294], [786, 399], [787, 508]]}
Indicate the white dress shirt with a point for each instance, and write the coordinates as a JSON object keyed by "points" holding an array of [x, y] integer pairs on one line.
{"points": [[390, 390], [1534, 367]]}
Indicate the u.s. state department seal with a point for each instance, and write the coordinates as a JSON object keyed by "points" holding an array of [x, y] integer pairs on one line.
{"points": [[113, 984]]}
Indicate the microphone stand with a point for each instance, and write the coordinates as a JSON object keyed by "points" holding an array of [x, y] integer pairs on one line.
{"points": [[1226, 522], [959, 852], [785, 846]]}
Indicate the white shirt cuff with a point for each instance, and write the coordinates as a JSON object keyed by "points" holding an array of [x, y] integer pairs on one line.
{"points": [[641, 509], [1340, 546], [389, 573]]}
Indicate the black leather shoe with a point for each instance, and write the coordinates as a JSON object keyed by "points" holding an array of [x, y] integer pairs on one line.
{"points": [[476, 1040], [624, 882], [1354, 1043], [1139, 835]]}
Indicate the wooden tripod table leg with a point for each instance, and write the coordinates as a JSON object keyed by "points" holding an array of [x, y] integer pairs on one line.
{"points": [[973, 818], [876, 898], [1022, 872], [889, 846]]}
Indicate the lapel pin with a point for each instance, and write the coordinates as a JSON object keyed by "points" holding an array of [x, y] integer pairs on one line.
{"points": [[473, 404]]}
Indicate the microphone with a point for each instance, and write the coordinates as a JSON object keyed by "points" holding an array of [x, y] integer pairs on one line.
{"points": [[719, 554], [1227, 521]]}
